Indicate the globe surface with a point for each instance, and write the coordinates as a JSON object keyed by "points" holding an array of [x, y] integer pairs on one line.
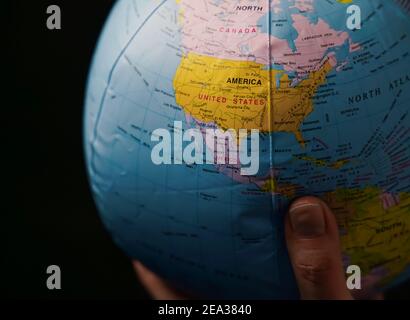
{"points": [[332, 108]]}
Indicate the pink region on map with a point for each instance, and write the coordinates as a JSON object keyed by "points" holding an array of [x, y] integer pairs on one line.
{"points": [[312, 43], [229, 30], [230, 170], [275, 6], [389, 200], [304, 5]]}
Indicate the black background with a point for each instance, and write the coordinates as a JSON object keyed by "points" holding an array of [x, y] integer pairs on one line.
{"points": [[50, 217]]}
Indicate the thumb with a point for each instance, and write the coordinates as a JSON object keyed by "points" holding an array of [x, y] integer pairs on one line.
{"points": [[313, 243]]}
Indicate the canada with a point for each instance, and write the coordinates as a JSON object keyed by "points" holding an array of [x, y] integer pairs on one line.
{"points": [[238, 30]]}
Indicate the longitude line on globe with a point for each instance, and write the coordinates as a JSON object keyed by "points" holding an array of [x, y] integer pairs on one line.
{"points": [[114, 66]]}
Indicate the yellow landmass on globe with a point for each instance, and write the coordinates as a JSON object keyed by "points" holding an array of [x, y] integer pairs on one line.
{"points": [[285, 189], [323, 163], [245, 95], [375, 229], [269, 185]]}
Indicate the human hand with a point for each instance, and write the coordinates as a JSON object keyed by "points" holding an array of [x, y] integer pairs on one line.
{"points": [[312, 240]]}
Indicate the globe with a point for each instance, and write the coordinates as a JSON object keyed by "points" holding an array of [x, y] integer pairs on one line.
{"points": [[321, 89]]}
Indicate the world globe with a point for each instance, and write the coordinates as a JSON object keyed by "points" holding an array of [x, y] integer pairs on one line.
{"points": [[330, 107]]}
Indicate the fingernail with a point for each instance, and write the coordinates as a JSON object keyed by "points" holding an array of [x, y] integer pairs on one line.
{"points": [[307, 219]]}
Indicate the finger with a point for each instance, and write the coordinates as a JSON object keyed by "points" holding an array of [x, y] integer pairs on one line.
{"points": [[157, 288], [313, 243]]}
